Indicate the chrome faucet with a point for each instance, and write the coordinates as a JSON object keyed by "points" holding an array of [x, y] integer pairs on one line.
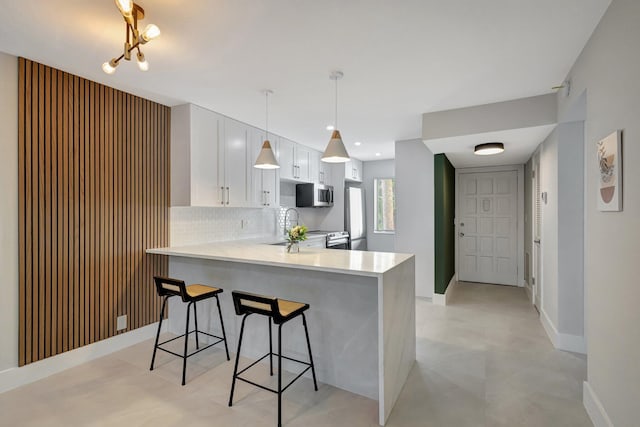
{"points": [[286, 215]]}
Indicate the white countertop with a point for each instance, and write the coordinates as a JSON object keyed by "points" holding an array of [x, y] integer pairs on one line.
{"points": [[259, 251]]}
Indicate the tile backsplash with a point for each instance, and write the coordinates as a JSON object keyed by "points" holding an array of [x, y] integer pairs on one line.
{"points": [[195, 225]]}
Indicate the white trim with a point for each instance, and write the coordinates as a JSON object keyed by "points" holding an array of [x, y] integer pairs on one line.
{"points": [[443, 299], [19, 376], [529, 291], [566, 342], [594, 407]]}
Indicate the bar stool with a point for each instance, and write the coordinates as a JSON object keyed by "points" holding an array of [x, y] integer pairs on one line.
{"points": [[279, 311], [191, 294]]}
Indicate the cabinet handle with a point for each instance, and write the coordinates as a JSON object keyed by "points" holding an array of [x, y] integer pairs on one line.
{"points": [[228, 195], [268, 198], [222, 195]]}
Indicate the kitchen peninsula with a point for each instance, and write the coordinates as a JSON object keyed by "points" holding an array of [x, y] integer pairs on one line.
{"points": [[362, 316]]}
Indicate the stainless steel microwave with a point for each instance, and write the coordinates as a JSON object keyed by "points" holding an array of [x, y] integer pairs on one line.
{"points": [[314, 196]]}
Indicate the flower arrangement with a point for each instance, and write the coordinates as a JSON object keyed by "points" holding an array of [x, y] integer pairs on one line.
{"points": [[295, 235]]}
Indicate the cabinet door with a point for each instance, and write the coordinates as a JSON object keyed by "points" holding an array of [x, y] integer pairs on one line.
{"points": [[357, 170], [303, 155], [236, 161], [353, 170], [288, 168], [326, 171], [265, 183], [206, 128], [315, 168]]}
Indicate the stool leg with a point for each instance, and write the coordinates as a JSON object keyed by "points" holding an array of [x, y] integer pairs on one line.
{"points": [[195, 318], [186, 341], [270, 350], [235, 369], [313, 369], [155, 347], [224, 335], [280, 375]]}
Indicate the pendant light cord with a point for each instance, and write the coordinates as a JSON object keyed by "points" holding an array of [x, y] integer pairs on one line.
{"points": [[336, 120], [266, 131]]}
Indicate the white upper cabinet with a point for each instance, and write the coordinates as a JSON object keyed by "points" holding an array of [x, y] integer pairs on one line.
{"points": [[195, 156], [353, 170], [265, 182], [319, 171], [294, 161], [210, 163]]}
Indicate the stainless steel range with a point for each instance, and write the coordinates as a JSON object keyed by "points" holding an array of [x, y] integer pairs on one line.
{"points": [[338, 240]]}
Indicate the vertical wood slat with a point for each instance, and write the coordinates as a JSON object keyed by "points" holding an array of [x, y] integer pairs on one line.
{"points": [[93, 196]]}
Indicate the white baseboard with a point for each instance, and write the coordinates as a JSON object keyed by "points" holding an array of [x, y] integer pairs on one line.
{"points": [[19, 376], [594, 407], [443, 299], [529, 291], [566, 342]]}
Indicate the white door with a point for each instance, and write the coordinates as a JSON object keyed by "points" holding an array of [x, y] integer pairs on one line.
{"points": [[487, 238]]}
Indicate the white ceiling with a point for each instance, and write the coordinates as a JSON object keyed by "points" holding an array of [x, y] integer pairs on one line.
{"points": [[518, 146], [400, 58]]}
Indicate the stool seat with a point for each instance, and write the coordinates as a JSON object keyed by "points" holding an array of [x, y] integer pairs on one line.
{"points": [[286, 308], [197, 292]]}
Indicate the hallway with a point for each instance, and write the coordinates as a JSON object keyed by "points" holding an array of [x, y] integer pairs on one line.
{"points": [[484, 360]]}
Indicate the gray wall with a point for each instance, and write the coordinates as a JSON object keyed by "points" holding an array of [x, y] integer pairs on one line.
{"points": [[9, 211], [571, 228], [377, 169], [515, 114], [608, 70], [414, 201], [562, 178]]}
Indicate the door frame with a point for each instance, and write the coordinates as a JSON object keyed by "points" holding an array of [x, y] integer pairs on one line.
{"points": [[520, 214]]}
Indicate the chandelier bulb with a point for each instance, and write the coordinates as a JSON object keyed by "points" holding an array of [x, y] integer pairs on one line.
{"points": [[150, 32], [110, 66], [142, 62]]}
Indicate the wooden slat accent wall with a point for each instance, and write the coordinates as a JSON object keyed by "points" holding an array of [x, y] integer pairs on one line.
{"points": [[94, 194]]}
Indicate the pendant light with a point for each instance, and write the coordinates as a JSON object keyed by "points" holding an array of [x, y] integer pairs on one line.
{"points": [[266, 159], [335, 151]]}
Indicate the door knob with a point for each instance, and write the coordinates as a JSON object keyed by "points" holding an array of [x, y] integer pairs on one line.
{"points": [[461, 234]]}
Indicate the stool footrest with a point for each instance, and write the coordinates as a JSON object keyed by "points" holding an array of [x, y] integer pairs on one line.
{"points": [[220, 339], [308, 366]]}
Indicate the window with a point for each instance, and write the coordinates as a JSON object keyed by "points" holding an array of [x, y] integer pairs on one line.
{"points": [[384, 205]]}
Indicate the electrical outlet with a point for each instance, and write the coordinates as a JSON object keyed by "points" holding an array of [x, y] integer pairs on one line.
{"points": [[121, 322]]}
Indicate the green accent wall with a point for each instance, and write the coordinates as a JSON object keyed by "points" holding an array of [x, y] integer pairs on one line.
{"points": [[445, 206]]}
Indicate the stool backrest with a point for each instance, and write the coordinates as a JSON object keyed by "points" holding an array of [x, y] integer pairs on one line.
{"points": [[245, 302], [167, 286]]}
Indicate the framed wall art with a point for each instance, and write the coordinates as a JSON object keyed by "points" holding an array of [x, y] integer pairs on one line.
{"points": [[610, 176]]}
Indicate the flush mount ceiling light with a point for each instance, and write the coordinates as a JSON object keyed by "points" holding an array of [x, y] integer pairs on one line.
{"points": [[335, 151], [489, 148], [266, 159], [131, 13]]}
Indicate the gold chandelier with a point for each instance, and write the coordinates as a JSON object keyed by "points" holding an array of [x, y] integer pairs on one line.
{"points": [[131, 13]]}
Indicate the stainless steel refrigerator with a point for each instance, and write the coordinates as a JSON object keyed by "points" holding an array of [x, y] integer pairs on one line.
{"points": [[354, 216]]}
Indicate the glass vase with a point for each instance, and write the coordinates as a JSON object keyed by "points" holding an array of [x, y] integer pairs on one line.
{"points": [[293, 248]]}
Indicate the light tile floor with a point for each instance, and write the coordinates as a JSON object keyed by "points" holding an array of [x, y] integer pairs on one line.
{"points": [[484, 360]]}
